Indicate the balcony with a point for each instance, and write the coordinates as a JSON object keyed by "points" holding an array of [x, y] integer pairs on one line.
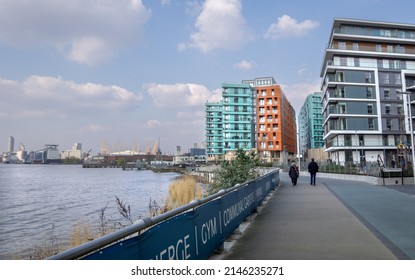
{"points": [[375, 32]]}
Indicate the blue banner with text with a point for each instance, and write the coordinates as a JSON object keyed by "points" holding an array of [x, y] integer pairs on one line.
{"points": [[193, 235]]}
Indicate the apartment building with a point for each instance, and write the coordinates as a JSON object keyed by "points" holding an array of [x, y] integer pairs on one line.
{"points": [[365, 67], [230, 123], [214, 130], [310, 124], [275, 122], [252, 115]]}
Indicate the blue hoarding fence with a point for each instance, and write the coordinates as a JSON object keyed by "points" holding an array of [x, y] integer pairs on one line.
{"points": [[194, 231]]}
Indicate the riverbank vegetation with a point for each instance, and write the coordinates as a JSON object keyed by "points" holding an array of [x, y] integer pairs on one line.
{"points": [[182, 191]]}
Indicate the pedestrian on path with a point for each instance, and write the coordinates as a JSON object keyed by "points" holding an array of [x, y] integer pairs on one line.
{"points": [[313, 169], [294, 173]]}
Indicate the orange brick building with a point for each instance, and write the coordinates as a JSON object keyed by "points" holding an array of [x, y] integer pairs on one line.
{"points": [[275, 122]]}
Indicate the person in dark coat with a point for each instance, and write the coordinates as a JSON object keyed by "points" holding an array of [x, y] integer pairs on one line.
{"points": [[313, 169], [293, 173]]}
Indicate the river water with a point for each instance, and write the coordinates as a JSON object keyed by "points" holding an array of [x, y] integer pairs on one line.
{"points": [[38, 202]]}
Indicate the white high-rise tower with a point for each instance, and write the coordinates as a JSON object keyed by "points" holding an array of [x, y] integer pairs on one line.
{"points": [[11, 144]]}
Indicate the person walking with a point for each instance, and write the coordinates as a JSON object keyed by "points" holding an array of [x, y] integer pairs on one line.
{"points": [[313, 169], [293, 173]]}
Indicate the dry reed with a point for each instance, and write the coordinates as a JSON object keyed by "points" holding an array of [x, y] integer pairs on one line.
{"points": [[182, 191]]}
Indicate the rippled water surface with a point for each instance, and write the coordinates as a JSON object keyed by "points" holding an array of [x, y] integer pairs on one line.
{"points": [[40, 201]]}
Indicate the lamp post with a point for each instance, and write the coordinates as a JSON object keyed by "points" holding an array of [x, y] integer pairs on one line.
{"points": [[357, 153], [298, 151], [408, 92]]}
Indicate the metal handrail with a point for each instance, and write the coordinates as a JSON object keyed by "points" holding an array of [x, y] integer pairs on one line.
{"points": [[84, 249]]}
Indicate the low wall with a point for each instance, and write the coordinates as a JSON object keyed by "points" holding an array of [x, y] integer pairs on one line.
{"points": [[368, 179]]}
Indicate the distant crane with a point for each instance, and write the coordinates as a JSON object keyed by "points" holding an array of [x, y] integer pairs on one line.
{"points": [[104, 148], [87, 154], [155, 148]]}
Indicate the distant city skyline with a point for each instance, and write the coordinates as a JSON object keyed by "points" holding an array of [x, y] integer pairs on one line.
{"points": [[69, 74]]}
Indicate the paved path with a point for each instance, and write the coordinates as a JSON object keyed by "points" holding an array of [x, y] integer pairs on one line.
{"points": [[334, 220]]}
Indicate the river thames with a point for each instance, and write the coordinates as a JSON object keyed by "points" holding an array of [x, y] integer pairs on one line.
{"points": [[38, 202]]}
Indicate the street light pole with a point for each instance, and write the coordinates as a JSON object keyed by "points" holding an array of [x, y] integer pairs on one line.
{"points": [[410, 90], [357, 153], [298, 151], [357, 143]]}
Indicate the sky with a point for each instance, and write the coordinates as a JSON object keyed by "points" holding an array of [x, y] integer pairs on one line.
{"points": [[124, 74]]}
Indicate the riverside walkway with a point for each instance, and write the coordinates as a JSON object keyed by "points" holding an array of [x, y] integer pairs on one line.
{"points": [[334, 220]]}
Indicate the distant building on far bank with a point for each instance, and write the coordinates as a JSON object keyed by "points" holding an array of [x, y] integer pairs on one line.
{"points": [[76, 152], [11, 144]]}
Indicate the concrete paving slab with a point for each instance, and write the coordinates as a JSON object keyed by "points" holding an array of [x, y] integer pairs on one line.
{"points": [[388, 212], [307, 223]]}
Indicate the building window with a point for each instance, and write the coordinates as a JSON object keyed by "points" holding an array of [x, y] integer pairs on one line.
{"points": [[342, 46], [343, 124], [384, 78], [370, 109], [361, 140], [389, 49], [355, 46], [369, 92], [340, 77], [368, 77], [342, 108], [386, 93], [397, 79], [387, 109], [385, 140], [388, 125], [400, 49], [370, 124], [399, 110]]}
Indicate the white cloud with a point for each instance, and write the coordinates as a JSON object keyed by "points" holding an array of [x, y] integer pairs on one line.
{"points": [[86, 31], [216, 95], [244, 65], [297, 93], [178, 95], [301, 70], [90, 51], [217, 20], [94, 128], [43, 96], [165, 2], [194, 8], [153, 123], [287, 26]]}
